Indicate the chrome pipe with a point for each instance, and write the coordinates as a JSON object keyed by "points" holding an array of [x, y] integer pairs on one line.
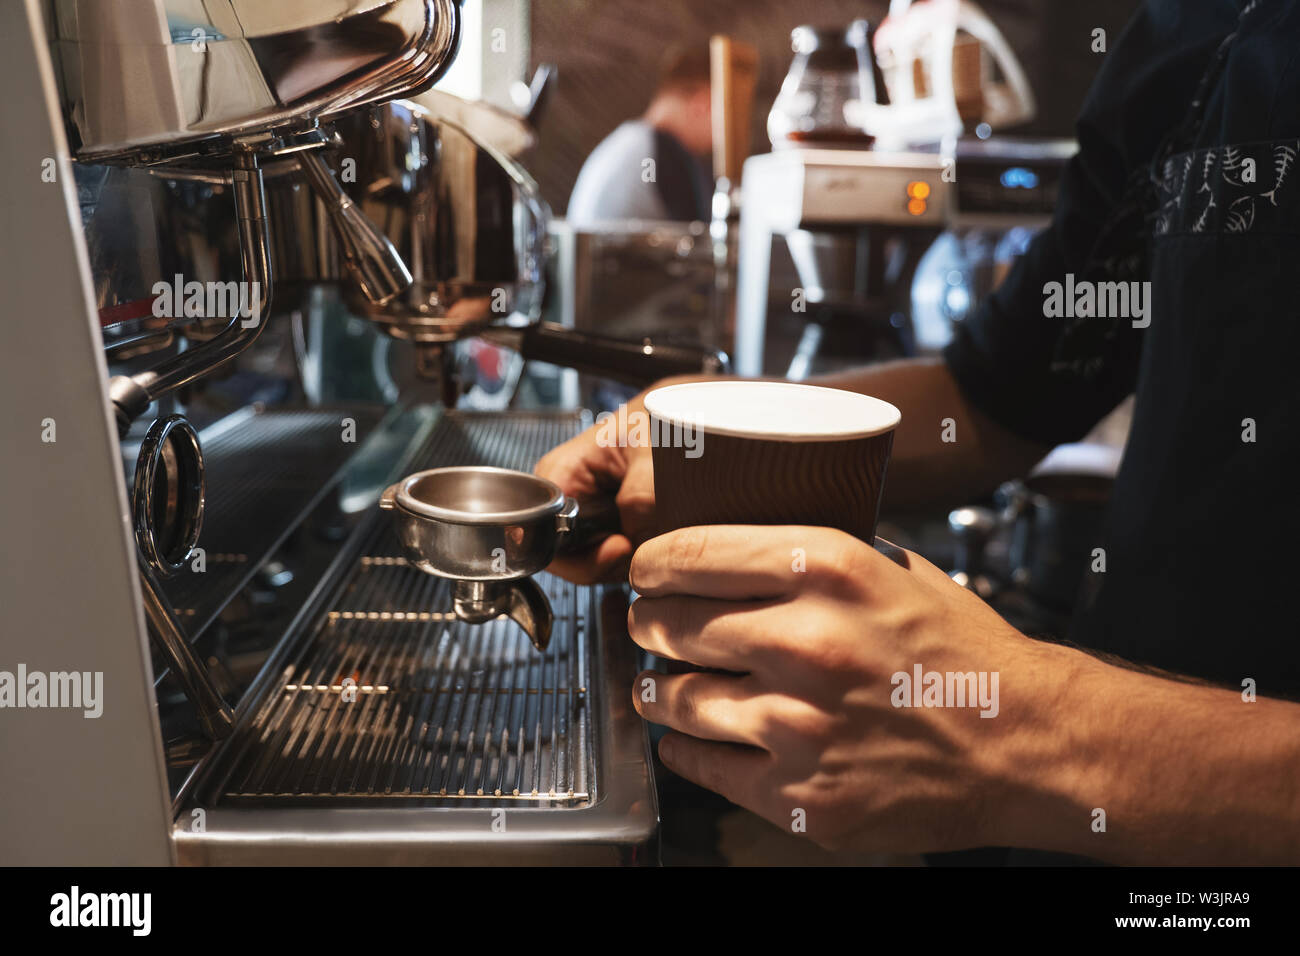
{"points": [[215, 716], [373, 261], [132, 395]]}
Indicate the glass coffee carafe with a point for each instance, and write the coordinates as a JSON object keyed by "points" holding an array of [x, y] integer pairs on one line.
{"points": [[834, 71]]}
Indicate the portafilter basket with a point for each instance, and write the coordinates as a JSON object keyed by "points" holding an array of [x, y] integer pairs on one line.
{"points": [[489, 530]]}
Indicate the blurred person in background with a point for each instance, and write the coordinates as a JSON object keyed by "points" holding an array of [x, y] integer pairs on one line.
{"points": [[655, 167]]}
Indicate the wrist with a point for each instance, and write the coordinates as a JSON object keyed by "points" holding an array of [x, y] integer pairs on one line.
{"points": [[1044, 766]]}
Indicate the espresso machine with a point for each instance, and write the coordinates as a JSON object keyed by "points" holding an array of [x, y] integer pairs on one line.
{"points": [[189, 187], [884, 138]]}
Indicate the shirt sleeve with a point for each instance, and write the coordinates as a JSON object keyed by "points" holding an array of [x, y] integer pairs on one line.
{"points": [[612, 186], [1001, 358]]}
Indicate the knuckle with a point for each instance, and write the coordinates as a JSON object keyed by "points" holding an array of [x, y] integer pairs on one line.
{"points": [[655, 621], [844, 565], [810, 724], [820, 802], [713, 775], [638, 571], [833, 653], [802, 723], [641, 617], [675, 619], [671, 554], [633, 497], [687, 547], [687, 704]]}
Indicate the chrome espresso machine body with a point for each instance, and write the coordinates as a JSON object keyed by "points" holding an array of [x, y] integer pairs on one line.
{"points": [[250, 670]]}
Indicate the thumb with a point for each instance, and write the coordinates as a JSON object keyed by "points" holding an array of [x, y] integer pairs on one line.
{"points": [[607, 561], [636, 500]]}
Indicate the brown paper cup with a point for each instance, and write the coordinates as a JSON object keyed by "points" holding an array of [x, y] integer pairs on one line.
{"points": [[772, 453]]}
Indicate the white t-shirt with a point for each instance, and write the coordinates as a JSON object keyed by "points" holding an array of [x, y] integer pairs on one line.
{"points": [[638, 172]]}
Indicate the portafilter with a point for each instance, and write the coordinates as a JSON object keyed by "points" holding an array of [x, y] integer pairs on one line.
{"points": [[489, 530]]}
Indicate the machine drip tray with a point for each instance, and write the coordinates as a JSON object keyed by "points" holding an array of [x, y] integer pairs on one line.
{"points": [[385, 730]]}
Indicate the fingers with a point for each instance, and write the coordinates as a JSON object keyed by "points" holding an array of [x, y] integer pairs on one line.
{"points": [[607, 561], [736, 772], [636, 496], [725, 561], [586, 468], [706, 706], [740, 562], [728, 635], [582, 467]]}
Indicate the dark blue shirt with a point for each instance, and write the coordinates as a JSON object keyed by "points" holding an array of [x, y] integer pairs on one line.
{"points": [[1203, 528]]}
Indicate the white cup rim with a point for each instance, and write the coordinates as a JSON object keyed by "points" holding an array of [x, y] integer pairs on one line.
{"points": [[773, 411]]}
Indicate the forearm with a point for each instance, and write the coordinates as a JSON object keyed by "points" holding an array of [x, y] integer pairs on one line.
{"points": [[945, 452], [925, 470], [1185, 773]]}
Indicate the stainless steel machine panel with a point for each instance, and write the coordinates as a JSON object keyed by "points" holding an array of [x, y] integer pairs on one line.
{"points": [[265, 470], [143, 73]]}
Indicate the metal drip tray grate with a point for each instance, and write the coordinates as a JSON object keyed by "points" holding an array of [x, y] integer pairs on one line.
{"points": [[265, 469], [389, 698]]}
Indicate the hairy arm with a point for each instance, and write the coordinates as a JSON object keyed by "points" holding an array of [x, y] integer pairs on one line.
{"points": [[1185, 773], [926, 471]]}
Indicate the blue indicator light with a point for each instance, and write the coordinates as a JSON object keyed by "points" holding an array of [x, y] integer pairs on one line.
{"points": [[1017, 177]]}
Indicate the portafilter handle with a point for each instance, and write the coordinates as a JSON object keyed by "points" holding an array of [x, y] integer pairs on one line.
{"points": [[373, 261], [635, 362], [595, 521]]}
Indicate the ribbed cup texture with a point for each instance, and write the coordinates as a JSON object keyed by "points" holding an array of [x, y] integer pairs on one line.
{"points": [[833, 484]]}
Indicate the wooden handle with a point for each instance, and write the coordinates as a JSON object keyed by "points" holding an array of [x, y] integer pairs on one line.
{"points": [[734, 68]]}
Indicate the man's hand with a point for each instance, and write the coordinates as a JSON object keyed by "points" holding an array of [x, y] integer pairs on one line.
{"points": [[811, 628], [588, 469], [922, 469], [812, 625]]}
